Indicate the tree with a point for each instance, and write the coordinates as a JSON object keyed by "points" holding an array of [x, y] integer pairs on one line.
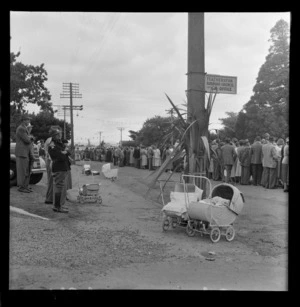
{"points": [[267, 110], [229, 124], [27, 86], [154, 130], [41, 124], [133, 134]]}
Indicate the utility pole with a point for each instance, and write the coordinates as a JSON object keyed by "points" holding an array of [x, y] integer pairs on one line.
{"points": [[196, 91], [71, 90], [121, 129], [100, 132], [67, 107]]}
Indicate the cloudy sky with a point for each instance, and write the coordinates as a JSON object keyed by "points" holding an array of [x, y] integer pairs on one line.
{"points": [[124, 63]]}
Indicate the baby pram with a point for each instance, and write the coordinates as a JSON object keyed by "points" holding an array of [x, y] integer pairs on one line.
{"points": [[109, 173], [216, 214], [175, 212], [89, 192]]}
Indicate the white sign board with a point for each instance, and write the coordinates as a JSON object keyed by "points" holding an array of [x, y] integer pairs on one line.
{"points": [[223, 84]]}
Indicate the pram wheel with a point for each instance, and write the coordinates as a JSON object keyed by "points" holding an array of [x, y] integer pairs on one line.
{"points": [[166, 223], [215, 234], [80, 199], [174, 223], [230, 233], [99, 200], [190, 230]]}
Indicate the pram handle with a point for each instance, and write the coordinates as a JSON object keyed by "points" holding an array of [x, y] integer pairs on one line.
{"points": [[198, 177]]}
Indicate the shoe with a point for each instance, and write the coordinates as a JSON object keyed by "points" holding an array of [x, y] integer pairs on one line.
{"points": [[62, 210], [23, 190], [29, 190], [48, 202]]}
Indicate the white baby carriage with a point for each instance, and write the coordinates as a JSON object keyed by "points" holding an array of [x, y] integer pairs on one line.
{"points": [[86, 169], [216, 214], [175, 212], [109, 173]]}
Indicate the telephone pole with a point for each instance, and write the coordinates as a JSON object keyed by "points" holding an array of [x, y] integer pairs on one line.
{"points": [[100, 132], [67, 107], [196, 94], [121, 129], [71, 90]]}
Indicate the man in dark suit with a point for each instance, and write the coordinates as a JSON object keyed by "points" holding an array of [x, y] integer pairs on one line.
{"points": [[256, 162], [23, 152], [228, 156], [60, 166]]}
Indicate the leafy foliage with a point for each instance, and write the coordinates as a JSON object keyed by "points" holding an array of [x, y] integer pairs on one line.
{"points": [[41, 124], [27, 85], [154, 131], [229, 124], [267, 110]]}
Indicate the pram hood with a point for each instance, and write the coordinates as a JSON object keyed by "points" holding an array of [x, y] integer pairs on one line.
{"points": [[228, 191], [106, 167]]}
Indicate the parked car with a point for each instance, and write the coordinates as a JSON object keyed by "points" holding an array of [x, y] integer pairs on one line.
{"points": [[37, 171]]}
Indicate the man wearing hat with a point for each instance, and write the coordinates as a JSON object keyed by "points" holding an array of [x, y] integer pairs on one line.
{"points": [[23, 152], [59, 157]]}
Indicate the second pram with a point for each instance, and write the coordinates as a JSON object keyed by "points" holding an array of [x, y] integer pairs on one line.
{"points": [[213, 215]]}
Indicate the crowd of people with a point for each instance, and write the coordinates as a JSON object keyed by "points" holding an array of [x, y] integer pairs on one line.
{"points": [[265, 162], [141, 157]]}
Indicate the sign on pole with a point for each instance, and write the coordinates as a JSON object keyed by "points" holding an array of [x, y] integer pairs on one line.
{"points": [[223, 84]]}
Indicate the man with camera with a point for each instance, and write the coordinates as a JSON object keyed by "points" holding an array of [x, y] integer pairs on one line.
{"points": [[60, 166]]}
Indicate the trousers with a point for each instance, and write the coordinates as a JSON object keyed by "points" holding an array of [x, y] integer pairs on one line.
{"points": [[269, 176], [23, 174], [49, 193], [256, 172], [59, 181]]}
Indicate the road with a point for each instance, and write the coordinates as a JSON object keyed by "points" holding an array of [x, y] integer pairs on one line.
{"points": [[120, 244]]}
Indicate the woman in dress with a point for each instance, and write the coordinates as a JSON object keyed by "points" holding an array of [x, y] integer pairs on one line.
{"points": [[143, 152], [131, 159], [156, 158], [238, 167], [285, 166], [168, 152]]}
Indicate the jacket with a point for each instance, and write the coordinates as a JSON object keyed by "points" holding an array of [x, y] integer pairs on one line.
{"points": [[23, 142], [60, 161], [269, 155], [228, 154], [256, 153]]}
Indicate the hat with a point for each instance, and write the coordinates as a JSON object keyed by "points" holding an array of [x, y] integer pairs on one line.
{"points": [[26, 117], [54, 132]]}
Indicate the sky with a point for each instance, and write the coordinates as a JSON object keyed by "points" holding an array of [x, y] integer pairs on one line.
{"points": [[124, 63]]}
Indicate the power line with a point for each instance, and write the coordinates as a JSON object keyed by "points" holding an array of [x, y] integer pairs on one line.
{"points": [[121, 129], [71, 90]]}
